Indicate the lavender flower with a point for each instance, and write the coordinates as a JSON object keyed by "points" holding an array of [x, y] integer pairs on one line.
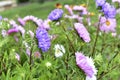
{"points": [[82, 31], [21, 21], [81, 9], [107, 24], [87, 65], [43, 39], [100, 2], [55, 14], [17, 27], [39, 22], [109, 11], [12, 30], [69, 9]]}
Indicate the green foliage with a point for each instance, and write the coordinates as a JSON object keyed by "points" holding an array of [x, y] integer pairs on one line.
{"points": [[48, 67]]}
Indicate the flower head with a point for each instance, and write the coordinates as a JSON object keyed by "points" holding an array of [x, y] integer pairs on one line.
{"points": [[55, 14], [100, 2], [21, 21], [81, 9], [69, 9], [86, 64], [59, 50], [109, 11], [43, 39], [12, 30], [107, 24], [48, 64], [82, 31]]}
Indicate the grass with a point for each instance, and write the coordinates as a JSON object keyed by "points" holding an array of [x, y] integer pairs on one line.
{"points": [[39, 10], [35, 9], [22, 71]]}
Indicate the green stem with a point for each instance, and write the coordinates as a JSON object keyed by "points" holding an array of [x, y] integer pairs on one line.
{"points": [[105, 73], [103, 43], [97, 34], [113, 58], [71, 44]]}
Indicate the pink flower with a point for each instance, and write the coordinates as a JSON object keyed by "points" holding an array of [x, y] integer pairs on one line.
{"points": [[81, 8], [82, 31], [12, 30], [21, 21], [69, 9], [87, 65], [107, 24]]}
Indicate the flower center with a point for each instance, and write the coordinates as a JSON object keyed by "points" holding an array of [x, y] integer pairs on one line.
{"points": [[107, 23]]}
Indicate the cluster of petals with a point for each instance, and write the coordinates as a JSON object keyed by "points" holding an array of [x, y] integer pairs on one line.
{"points": [[43, 38], [87, 65], [109, 10], [15, 28], [56, 14], [100, 2], [37, 21], [107, 24], [82, 31], [69, 9], [82, 9]]}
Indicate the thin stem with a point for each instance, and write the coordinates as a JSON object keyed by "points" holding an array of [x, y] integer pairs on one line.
{"points": [[71, 44], [31, 57], [113, 58], [103, 43], [104, 73], [97, 34]]}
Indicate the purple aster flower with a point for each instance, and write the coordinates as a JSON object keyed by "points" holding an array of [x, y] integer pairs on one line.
{"points": [[100, 2], [82, 31], [109, 11], [107, 24], [55, 14], [87, 65], [43, 39]]}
